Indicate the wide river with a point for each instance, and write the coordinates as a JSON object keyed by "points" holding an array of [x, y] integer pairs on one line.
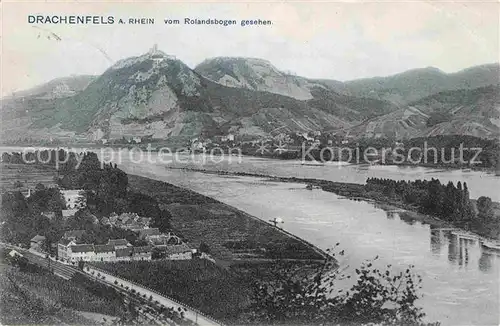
{"points": [[460, 277]]}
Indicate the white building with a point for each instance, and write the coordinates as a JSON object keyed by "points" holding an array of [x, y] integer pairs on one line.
{"points": [[104, 252], [119, 243], [74, 198], [69, 251], [178, 252], [81, 252], [62, 248], [229, 137]]}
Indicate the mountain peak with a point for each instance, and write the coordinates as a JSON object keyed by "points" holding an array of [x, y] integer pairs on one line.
{"points": [[154, 54], [255, 74]]}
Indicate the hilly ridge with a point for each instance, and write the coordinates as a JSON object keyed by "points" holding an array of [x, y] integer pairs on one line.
{"points": [[474, 112], [59, 87], [256, 74], [415, 84], [156, 95]]}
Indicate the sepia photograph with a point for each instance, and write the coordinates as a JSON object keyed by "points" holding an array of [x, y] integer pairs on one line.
{"points": [[250, 163]]}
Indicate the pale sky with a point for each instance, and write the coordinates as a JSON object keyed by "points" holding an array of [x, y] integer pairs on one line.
{"points": [[334, 40]]}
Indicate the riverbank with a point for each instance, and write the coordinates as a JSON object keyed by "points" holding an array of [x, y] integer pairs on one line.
{"points": [[246, 250], [356, 191], [232, 235]]}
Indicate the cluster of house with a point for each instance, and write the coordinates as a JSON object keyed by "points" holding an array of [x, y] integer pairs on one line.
{"points": [[201, 143], [68, 249], [168, 244], [127, 221]]}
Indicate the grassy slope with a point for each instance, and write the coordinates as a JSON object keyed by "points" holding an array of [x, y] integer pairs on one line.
{"points": [[43, 298]]}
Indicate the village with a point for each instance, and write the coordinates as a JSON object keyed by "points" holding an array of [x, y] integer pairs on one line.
{"points": [[72, 249]]}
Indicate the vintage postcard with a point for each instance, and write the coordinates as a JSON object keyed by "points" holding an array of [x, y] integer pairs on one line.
{"points": [[250, 163]]}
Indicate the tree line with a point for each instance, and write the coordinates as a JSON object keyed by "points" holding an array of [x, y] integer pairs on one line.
{"points": [[447, 201]]}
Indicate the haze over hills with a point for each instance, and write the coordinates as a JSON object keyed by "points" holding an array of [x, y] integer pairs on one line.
{"points": [[157, 96]]}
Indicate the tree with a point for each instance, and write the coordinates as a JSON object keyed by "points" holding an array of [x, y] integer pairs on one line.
{"points": [[485, 207], [378, 296], [204, 248], [40, 186]]}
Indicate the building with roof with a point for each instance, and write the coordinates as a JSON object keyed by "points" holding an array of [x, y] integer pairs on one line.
{"points": [[177, 252], [72, 252], [142, 253], [105, 252], [149, 233], [164, 240], [78, 252], [119, 243], [37, 243], [14, 253], [123, 254], [127, 221], [67, 213], [62, 248], [74, 234]]}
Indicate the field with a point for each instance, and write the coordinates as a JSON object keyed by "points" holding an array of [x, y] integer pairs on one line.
{"points": [[20, 177], [45, 299], [232, 235], [198, 283]]}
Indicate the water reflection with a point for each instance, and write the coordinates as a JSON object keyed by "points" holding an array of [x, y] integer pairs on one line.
{"points": [[391, 214], [407, 218], [437, 241], [459, 247], [486, 261]]}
